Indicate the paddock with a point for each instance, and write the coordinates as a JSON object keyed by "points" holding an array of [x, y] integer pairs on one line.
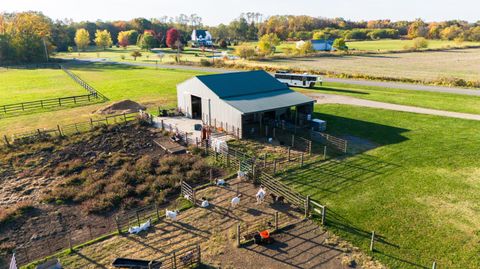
{"points": [[214, 230]]}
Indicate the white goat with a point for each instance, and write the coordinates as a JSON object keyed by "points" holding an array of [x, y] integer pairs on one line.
{"points": [[171, 214], [235, 201], [220, 182], [260, 195]]}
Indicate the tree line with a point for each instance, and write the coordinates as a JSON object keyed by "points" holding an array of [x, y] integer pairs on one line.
{"points": [[32, 36]]}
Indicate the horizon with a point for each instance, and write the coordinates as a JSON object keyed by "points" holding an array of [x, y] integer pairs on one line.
{"points": [[347, 9]]}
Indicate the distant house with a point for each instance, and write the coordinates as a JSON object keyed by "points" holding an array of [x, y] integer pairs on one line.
{"points": [[201, 38], [323, 44], [242, 101]]}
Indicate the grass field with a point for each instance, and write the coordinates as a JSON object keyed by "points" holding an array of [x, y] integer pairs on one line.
{"points": [[418, 190], [148, 86], [396, 44], [20, 85], [434, 100], [415, 65], [115, 54]]}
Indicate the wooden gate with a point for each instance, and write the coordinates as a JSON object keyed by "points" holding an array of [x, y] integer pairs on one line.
{"points": [[188, 192]]}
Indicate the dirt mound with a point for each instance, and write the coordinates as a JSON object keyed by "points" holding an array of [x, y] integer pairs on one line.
{"points": [[125, 106]]}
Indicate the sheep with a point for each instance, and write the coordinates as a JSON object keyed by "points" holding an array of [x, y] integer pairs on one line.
{"points": [[171, 214], [205, 202], [235, 201], [260, 195], [220, 182]]}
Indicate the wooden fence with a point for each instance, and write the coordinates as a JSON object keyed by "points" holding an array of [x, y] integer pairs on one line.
{"points": [[335, 142], [65, 130], [84, 84]]}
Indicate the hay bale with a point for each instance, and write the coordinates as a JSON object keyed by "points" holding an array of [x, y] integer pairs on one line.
{"points": [[124, 106]]}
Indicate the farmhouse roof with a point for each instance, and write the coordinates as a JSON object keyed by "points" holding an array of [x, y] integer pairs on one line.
{"points": [[253, 91], [200, 33]]}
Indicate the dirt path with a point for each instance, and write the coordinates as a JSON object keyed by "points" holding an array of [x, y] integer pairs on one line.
{"points": [[301, 245], [346, 100]]}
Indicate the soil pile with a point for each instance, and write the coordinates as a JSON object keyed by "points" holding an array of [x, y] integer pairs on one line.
{"points": [[125, 106]]}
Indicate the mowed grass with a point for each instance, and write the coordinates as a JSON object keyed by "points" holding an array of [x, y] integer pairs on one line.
{"points": [[397, 44], [418, 190], [23, 85], [430, 65], [433, 100], [147, 86]]}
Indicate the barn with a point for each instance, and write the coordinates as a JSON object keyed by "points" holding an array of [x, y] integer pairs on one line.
{"points": [[241, 102]]}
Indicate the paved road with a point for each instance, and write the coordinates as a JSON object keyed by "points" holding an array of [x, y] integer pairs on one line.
{"points": [[346, 100], [392, 85]]}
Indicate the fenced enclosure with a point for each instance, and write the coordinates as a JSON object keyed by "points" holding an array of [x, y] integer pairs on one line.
{"points": [[66, 130], [334, 142], [92, 97]]}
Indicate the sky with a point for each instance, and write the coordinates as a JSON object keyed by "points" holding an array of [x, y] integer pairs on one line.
{"points": [[214, 12]]}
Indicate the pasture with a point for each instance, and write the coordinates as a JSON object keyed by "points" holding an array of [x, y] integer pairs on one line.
{"points": [[433, 100], [417, 187], [397, 44], [148, 86], [24, 85], [430, 65]]}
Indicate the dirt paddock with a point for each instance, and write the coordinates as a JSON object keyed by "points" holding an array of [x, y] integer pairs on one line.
{"points": [[300, 245]]}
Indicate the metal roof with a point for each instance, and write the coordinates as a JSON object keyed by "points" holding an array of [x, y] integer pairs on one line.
{"points": [[242, 83], [266, 101]]}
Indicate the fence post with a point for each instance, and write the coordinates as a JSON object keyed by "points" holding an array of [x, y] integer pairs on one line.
{"points": [[276, 220], [206, 146], [157, 211], [434, 265], [70, 245], [274, 166], [163, 128], [138, 217], [238, 235], [324, 214], [59, 131], [324, 152], [307, 206], [216, 155], [301, 160], [289, 149], [6, 140], [174, 260], [125, 118], [211, 174], [118, 225], [309, 147], [194, 198], [228, 159], [199, 261], [265, 161], [186, 139], [372, 241]]}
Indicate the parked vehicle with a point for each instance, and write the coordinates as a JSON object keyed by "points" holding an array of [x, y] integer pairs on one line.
{"points": [[298, 80]]}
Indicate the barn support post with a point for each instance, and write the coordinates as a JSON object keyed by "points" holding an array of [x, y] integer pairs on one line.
{"points": [[372, 241], [293, 140], [273, 133], [324, 152], [238, 235]]}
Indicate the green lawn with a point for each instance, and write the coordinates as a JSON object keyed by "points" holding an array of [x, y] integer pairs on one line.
{"points": [[115, 54], [441, 101], [396, 44], [20, 85], [146, 85], [418, 189]]}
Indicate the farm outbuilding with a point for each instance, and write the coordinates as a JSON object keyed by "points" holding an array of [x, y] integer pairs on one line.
{"points": [[241, 102]]}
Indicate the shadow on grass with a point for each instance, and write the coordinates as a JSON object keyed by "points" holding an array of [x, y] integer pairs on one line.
{"points": [[83, 65], [328, 89]]}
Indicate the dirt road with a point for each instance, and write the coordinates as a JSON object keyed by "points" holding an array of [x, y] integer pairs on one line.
{"points": [[346, 100]]}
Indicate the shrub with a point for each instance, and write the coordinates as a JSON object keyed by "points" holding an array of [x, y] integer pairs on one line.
{"points": [[420, 43], [222, 44], [205, 62], [12, 213], [245, 51]]}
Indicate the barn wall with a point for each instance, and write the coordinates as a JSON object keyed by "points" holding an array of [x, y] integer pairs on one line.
{"points": [[222, 114]]}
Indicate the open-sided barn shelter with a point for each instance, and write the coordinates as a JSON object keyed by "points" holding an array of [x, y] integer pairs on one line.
{"points": [[241, 102]]}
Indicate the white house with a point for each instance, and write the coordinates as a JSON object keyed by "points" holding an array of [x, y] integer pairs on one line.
{"points": [[201, 38], [239, 102]]}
